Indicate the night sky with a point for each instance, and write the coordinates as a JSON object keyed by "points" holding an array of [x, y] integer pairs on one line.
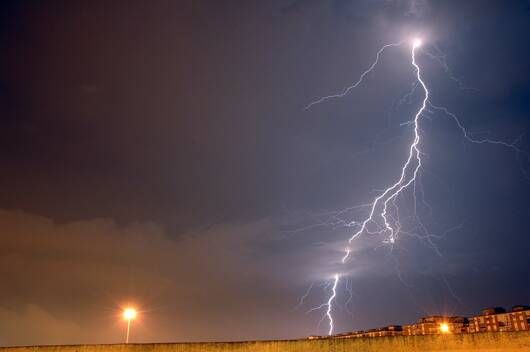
{"points": [[159, 153]]}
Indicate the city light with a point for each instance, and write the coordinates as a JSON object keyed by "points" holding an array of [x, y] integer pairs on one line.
{"points": [[444, 328]]}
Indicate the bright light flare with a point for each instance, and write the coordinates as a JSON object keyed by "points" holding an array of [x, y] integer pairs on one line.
{"points": [[416, 42], [129, 313], [444, 328]]}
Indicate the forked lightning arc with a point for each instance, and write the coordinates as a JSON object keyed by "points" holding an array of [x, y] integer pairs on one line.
{"points": [[380, 220]]}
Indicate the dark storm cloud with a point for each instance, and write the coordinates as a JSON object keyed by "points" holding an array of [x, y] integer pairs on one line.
{"points": [[381, 9], [159, 152], [89, 267], [68, 281]]}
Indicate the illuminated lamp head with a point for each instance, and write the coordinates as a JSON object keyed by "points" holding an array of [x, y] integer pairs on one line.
{"points": [[129, 313]]}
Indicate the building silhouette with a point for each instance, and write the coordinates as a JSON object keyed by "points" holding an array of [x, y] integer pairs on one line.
{"points": [[495, 319]]}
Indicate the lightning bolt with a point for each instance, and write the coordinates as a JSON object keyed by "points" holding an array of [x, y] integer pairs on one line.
{"points": [[378, 214], [383, 216], [328, 304], [409, 172], [330, 301]]}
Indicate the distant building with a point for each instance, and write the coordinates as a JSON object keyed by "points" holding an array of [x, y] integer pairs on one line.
{"points": [[492, 311], [520, 308], [391, 330], [492, 320], [436, 324], [497, 319], [314, 337]]}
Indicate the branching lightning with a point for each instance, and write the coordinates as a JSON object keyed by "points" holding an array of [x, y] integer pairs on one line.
{"points": [[409, 172], [383, 215], [470, 138], [378, 215], [305, 295], [359, 81]]}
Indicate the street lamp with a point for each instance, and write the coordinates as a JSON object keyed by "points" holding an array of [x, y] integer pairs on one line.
{"points": [[129, 314], [444, 328]]}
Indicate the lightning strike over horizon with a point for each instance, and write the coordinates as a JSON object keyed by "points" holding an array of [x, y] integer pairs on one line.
{"points": [[409, 171], [383, 214]]}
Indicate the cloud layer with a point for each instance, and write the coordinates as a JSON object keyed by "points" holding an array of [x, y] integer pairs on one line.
{"points": [[65, 282]]}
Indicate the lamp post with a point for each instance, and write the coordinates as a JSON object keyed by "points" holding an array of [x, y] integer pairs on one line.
{"points": [[129, 314]]}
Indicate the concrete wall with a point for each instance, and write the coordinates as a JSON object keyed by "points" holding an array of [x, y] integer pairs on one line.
{"points": [[506, 341]]}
